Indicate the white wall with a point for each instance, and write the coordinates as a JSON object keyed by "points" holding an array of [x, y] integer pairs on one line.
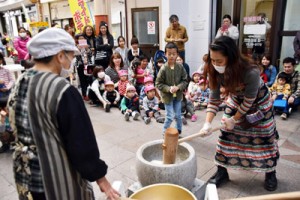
{"points": [[195, 16]]}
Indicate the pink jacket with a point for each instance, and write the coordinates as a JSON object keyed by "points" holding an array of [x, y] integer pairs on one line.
{"points": [[20, 46]]}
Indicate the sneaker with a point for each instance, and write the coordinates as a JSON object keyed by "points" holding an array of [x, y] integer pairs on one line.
{"points": [[126, 116], [290, 110], [147, 120], [160, 120], [270, 181], [283, 116], [194, 118], [136, 115], [107, 107], [183, 120], [4, 148]]}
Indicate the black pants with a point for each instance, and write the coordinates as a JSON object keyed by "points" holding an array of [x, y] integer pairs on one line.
{"points": [[83, 79]]}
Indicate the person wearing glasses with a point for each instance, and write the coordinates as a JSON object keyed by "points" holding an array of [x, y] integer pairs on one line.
{"points": [[177, 34]]}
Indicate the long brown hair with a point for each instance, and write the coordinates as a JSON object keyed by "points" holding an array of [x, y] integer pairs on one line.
{"points": [[236, 66], [116, 55]]}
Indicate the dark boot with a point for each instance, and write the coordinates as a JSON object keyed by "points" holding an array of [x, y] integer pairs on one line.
{"points": [[221, 176], [271, 181]]}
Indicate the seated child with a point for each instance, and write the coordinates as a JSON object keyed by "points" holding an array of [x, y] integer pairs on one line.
{"points": [[187, 107], [130, 103], [204, 93], [193, 88], [122, 83], [150, 106], [281, 87], [281, 90], [111, 96]]}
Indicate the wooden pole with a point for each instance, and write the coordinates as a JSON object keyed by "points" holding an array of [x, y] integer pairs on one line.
{"points": [[170, 146]]}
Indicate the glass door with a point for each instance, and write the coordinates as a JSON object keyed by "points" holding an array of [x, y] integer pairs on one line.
{"points": [[255, 27], [145, 26]]}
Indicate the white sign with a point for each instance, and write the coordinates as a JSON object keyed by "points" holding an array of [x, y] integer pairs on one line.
{"points": [[151, 27], [259, 29]]}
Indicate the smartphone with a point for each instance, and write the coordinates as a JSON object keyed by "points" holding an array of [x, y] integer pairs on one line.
{"points": [[224, 28]]}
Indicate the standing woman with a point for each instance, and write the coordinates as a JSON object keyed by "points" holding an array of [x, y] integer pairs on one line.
{"points": [[115, 65], [89, 35], [241, 144], [269, 69], [20, 44], [227, 29], [104, 46]]}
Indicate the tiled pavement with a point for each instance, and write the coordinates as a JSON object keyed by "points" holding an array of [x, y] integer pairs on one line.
{"points": [[118, 142]]}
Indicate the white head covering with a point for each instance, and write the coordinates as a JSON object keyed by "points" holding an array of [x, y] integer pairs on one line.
{"points": [[50, 42]]}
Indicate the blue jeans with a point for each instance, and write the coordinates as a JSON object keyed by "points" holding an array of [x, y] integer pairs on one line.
{"points": [[173, 109], [294, 105]]}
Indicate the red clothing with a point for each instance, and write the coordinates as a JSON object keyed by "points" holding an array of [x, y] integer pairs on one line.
{"points": [[122, 87], [20, 46], [264, 77]]}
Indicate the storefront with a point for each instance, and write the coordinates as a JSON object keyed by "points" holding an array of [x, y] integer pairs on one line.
{"points": [[266, 26]]}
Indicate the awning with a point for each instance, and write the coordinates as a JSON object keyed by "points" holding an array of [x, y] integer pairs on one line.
{"points": [[6, 5]]}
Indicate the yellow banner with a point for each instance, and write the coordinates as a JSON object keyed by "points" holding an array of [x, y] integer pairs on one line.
{"points": [[81, 14]]}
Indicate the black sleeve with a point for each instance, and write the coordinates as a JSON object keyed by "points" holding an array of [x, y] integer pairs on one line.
{"points": [[130, 56], [99, 44], [78, 136]]}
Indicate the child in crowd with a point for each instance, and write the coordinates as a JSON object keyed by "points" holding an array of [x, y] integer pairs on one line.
{"points": [[180, 60], [97, 87], [141, 72], [204, 93], [111, 96], [172, 81], [157, 65], [122, 83], [123, 51], [150, 106], [281, 90], [204, 61], [193, 88], [187, 107], [223, 97], [130, 103]]}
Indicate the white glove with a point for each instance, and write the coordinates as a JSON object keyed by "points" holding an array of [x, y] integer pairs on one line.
{"points": [[205, 131], [229, 123]]}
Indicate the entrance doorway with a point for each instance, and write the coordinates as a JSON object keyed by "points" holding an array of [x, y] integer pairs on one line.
{"points": [[145, 26]]}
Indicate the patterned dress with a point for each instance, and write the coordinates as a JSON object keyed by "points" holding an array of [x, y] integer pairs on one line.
{"points": [[248, 146]]}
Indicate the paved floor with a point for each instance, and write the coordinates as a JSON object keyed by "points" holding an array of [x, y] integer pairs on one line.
{"points": [[118, 142]]}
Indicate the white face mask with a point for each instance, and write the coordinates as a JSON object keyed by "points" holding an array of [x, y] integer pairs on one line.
{"points": [[101, 75], [23, 35], [66, 72], [220, 69]]}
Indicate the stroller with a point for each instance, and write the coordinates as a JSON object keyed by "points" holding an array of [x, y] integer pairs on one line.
{"points": [[159, 56]]}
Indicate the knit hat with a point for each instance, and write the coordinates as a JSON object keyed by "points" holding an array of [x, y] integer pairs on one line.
{"points": [[50, 42], [130, 88], [196, 72], [148, 79], [123, 73], [149, 88], [109, 83]]}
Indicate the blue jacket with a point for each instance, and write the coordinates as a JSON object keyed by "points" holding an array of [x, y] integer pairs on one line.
{"points": [[271, 73]]}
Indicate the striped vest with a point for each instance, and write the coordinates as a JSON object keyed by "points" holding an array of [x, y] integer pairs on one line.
{"points": [[60, 180]]}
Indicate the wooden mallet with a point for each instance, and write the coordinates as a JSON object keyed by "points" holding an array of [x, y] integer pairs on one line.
{"points": [[171, 143]]}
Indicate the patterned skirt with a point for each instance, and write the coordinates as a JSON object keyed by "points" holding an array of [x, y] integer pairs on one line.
{"points": [[253, 147]]}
